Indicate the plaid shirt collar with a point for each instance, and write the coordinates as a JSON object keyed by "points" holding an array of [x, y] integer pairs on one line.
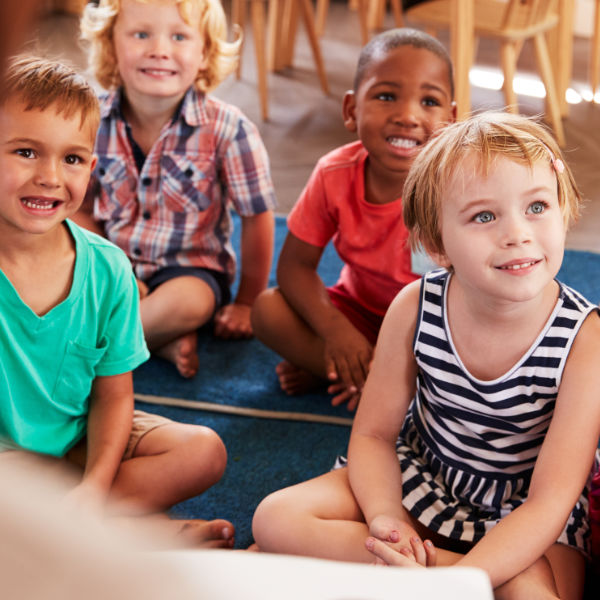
{"points": [[192, 109]]}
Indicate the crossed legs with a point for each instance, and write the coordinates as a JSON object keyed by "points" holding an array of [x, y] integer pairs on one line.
{"points": [[321, 518]]}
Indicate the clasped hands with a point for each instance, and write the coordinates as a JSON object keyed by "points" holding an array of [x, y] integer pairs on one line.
{"points": [[394, 542]]}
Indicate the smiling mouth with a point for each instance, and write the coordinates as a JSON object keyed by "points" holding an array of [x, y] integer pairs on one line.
{"points": [[518, 266], [158, 72], [40, 204], [404, 143]]}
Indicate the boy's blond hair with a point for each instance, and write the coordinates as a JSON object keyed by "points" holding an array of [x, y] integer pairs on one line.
{"points": [[97, 25], [40, 83], [485, 136]]}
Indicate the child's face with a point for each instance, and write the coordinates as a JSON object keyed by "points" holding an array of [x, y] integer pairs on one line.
{"points": [[158, 54], [403, 98], [46, 160], [503, 234]]}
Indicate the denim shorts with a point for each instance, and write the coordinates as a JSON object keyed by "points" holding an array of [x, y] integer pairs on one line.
{"points": [[216, 280]]}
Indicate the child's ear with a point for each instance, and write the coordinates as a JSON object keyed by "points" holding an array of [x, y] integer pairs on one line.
{"points": [[439, 257], [349, 111], [453, 112]]}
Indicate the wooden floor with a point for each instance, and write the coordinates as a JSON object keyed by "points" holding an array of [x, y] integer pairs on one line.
{"points": [[304, 124]]}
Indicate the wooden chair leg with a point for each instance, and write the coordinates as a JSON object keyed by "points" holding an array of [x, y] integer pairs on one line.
{"points": [[321, 16], [274, 36], [238, 17], [595, 51], [257, 12], [397, 12], [545, 66], [309, 22], [363, 18], [290, 28], [509, 60]]}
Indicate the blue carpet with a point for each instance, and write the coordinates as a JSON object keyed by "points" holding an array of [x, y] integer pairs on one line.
{"points": [[268, 454]]}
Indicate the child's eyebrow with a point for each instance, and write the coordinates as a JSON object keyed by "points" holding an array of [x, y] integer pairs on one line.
{"points": [[33, 142], [428, 87]]}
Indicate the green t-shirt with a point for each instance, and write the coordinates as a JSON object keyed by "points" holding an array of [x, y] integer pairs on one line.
{"points": [[48, 363]]}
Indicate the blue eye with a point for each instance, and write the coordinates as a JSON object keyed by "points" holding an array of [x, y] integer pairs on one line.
{"points": [[178, 37], [484, 217], [537, 208], [140, 35]]}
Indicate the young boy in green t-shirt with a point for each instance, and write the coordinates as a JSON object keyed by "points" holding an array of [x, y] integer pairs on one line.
{"points": [[70, 331]]}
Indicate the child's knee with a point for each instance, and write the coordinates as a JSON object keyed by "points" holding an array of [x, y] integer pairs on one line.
{"points": [[265, 310], [208, 452], [271, 520]]}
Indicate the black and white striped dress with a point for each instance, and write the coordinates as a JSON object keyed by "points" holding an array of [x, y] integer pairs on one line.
{"points": [[468, 447]]}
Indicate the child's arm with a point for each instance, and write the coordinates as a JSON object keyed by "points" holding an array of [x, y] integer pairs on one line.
{"points": [[108, 429], [373, 470], [233, 320], [561, 469], [347, 352]]}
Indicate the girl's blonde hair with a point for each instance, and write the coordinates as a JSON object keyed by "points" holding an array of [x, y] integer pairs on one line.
{"points": [[40, 83], [484, 136], [97, 25]]}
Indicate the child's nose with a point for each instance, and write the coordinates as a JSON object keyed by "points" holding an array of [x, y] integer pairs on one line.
{"points": [[48, 174], [159, 47], [516, 231], [405, 113]]}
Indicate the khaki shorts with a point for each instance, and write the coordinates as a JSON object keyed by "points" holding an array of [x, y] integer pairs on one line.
{"points": [[143, 423]]}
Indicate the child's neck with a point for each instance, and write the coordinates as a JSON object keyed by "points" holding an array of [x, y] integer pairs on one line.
{"points": [[382, 187], [491, 338], [148, 117], [40, 267]]}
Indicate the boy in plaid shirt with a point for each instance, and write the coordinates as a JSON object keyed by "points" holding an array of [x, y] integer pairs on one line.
{"points": [[171, 160]]}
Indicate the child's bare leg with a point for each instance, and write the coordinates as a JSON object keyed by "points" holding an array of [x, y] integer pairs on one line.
{"points": [[171, 314], [170, 464], [558, 574], [279, 327], [317, 518]]}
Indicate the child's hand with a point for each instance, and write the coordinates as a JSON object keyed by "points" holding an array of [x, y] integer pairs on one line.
{"points": [[420, 555], [343, 394], [232, 322], [85, 499], [396, 533], [348, 356]]}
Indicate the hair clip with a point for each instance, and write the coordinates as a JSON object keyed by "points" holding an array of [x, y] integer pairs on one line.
{"points": [[558, 165]]}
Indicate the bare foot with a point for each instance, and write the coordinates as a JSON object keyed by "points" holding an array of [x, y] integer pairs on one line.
{"points": [[191, 533], [253, 548], [294, 380], [182, 353]]}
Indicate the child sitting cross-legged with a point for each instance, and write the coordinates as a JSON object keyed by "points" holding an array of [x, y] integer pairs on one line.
{"points": [[479, 420], [172, 161], [403, 94], [70, 327]]}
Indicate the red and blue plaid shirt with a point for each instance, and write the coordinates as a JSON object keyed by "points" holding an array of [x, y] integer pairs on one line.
{"points": [[174, 210]]}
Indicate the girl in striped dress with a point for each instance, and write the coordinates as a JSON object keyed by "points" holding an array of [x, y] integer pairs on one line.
{"points": [[488, 367]]}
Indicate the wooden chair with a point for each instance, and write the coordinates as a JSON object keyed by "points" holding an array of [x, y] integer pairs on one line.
{"points": [[274, 50], [370, 15], [512, 22], [595, 51]]}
